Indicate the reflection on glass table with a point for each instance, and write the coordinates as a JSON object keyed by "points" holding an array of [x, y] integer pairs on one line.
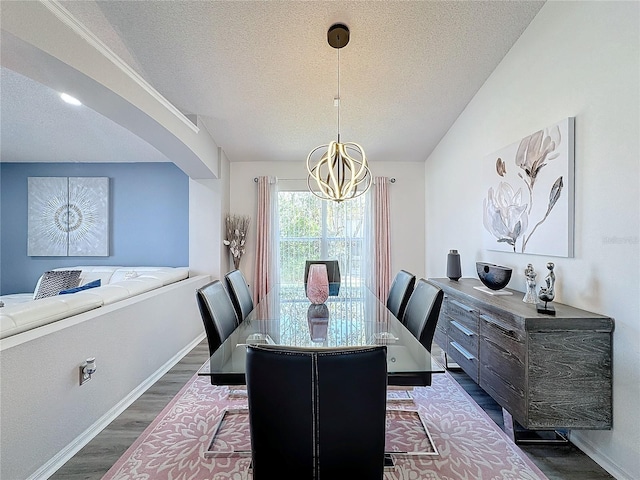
{"points": [[353, 318]]}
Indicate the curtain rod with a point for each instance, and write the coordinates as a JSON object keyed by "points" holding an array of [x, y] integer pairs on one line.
{"points": [[255, 179]]}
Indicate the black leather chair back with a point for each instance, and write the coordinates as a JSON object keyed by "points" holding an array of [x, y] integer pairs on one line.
{"points": [[240, 294], [399, 293], [217, 313], [317, 413], [423, 309]]}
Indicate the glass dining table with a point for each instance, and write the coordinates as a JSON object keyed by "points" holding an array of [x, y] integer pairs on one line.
{"points": [[353, 318]]}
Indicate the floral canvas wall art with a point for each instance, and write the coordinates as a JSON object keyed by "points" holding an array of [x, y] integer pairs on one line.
{"points": [[529, 201], [68, 216]]}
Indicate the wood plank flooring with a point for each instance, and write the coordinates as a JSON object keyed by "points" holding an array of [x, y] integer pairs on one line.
{"points": [[95, 459], [92, 462]]}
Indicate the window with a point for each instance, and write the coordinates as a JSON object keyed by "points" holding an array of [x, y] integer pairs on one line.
{"points": [[313, 229]]}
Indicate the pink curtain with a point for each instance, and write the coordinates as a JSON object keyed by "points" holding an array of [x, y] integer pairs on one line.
{"points": [[381, 241], [265, 272]]}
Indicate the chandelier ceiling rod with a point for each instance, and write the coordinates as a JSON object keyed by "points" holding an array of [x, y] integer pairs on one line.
{"points": [[338, 99], [339, 175]]}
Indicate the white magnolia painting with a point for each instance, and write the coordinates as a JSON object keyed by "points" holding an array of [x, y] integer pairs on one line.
{"points": [[529, 204], [68, 216]]}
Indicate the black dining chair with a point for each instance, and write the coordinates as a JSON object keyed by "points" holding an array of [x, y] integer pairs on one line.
{"points": [[317, 413], [217, 312], [399, 293], [240, 294], [422, 312]]}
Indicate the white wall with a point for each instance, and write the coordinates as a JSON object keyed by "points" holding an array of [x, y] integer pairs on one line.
{"points": [[577, 59], [46, 415], [208, 203], [406, 197]]}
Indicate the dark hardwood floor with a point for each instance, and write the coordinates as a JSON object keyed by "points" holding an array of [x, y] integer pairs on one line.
{"points": [[564, 462]]}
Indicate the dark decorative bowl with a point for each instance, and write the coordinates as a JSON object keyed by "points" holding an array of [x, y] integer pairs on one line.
{"points": [[493, 276]]}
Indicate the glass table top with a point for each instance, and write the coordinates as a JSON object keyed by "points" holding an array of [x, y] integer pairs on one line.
{"points": [[355, 317]]}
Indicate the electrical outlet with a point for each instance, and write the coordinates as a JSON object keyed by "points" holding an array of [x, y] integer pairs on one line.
{"points": [[87, 369]]}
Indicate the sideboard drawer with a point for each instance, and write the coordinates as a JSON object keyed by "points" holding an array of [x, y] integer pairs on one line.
{"points": [[502, 354], [503, 333], [502, 368], [511, 397], [463, 314], [465, 359], [465, 337]]}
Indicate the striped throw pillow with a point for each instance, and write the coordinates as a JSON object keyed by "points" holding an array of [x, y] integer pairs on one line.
{"points": [[54, 281]]}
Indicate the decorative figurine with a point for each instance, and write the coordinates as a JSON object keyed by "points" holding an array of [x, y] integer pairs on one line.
{"points": [[530, 296], [547, 293]]}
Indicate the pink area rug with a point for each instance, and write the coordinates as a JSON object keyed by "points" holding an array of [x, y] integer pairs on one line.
{"points": [[468, 444]]}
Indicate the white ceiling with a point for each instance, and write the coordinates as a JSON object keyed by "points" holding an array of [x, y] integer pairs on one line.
{"points": [[37, 126], [262, 78]]}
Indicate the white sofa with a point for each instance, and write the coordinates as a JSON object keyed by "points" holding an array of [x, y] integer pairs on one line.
{"points": [[21, 312]]}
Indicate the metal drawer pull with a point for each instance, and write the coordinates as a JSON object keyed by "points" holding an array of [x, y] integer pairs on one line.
{"points": [[464, 353], [500, 326], [462, 306], [463, 329]]}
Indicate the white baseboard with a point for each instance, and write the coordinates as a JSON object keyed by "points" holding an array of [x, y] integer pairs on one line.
{"points": [[603, 460], [58, 460]]}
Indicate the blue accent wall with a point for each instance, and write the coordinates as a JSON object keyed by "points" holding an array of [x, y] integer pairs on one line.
{"points": [[148, 216]]}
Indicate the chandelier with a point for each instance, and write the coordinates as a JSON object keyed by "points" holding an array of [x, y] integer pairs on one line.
{"points": [[341, 172]]}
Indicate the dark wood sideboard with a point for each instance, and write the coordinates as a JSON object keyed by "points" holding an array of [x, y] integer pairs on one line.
{"points": [[548, 372]]}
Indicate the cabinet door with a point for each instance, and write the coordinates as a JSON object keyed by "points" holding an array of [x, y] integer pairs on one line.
{"points": [[570, 380]]}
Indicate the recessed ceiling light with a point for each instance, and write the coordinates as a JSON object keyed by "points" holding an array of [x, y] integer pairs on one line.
{"points": [[69, 99]]}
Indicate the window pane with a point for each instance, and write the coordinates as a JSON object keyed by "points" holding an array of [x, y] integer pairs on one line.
{"points": [[300, 215], [314, 229], [345, 223]]}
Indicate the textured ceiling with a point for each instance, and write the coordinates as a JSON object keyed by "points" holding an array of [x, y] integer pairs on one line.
{"points": [[38, 126], [262, 77]]}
